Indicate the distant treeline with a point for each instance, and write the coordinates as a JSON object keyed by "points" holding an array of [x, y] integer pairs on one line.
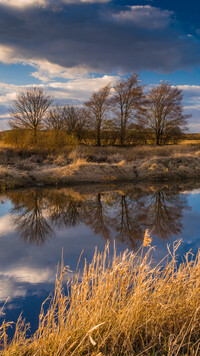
{"points": [[125, 114]]}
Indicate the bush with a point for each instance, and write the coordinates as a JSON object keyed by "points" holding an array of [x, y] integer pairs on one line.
{"points": [[50, 141], [20, 139]]}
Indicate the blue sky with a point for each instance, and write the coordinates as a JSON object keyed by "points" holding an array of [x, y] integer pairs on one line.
{"points": [[73, 47]]}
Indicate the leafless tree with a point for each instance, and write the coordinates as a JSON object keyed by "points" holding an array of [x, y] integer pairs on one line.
{"points": [[162, 113], [54, 120], [75, 121], [29, 109], [128, 94], [29, 217], [82, 124], [70, 116], [71, 119], [98, 106]]}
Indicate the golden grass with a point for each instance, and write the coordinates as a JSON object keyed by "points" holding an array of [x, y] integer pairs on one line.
{"points": [[99, 165], [130, 154], [121, 306]]}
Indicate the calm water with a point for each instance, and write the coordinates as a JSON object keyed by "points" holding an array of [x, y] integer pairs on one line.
{"points": [[36, 224]]}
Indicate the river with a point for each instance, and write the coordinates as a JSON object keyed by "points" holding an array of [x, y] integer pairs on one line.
{"points": [[36, 225]]}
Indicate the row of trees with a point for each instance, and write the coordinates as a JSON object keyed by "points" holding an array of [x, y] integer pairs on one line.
{"points": [[118, 109]]}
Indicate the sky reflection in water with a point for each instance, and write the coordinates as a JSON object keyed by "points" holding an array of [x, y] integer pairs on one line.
{"points": [[36, 224]]}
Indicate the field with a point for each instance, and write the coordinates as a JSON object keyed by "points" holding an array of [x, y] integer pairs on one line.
{"points": [[83, 164], [126, 305]]}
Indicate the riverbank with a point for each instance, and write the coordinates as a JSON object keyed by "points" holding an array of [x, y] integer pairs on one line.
{"points": [[99, 165], [123, 306]]}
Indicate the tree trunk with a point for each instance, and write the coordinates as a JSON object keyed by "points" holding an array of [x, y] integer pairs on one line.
{"points": [[98, 135], [35, 135], [157, 138], [122, 138]]}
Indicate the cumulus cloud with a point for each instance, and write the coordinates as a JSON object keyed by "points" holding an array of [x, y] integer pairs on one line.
{"points": [[85, 1], [46, 71], [78, 89], [73, 91], [23, 3], [14, 281], [148, 17], [75, 40], [97, 37], [8, 55], [192, 90]]}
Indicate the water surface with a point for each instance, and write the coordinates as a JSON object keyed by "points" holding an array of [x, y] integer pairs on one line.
{"points": [[36, 224]]}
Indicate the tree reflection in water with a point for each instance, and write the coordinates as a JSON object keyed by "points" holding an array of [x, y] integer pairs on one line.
{"points": [[121, 214], [29, 216]]}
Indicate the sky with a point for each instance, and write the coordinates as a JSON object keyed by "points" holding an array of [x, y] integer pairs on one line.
{"points": [[74, 47]]}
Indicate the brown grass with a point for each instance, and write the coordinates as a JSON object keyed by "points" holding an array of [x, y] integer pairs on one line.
{"points": [[130, 154], [121, 306], [94, 164]]}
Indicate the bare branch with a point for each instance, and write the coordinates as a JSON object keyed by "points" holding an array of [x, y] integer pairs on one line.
{"points": [[29, 109]]}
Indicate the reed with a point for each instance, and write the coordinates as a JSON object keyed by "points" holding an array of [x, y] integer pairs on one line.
{"points": [[125, 305]]}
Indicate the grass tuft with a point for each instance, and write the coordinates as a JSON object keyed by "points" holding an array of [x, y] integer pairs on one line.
{"points": [[126, 305]]}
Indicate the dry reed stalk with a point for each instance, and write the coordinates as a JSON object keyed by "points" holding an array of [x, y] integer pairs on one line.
{"points": [[126, 305]]}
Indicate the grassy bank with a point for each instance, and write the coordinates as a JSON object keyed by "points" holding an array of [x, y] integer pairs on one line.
{"points": [[104, 164], [123, 306]]}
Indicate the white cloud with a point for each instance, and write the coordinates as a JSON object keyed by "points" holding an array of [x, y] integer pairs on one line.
{"points": [[74, 90], [23, 3], [11, 280], [8, 289], [6, 225], [194, 191], [191, 89], [4, 124], [84, 1], [46, 71], [78, 86], [31, 275], [145, 17], [8, 55], [80, 89]]}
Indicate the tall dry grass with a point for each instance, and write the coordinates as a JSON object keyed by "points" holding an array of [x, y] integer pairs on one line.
{"points": [[131, 154], [126, 305]]}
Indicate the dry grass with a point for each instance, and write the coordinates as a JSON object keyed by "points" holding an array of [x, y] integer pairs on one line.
{"points": [[131, 154], [124, 306], [165, 168], [98, 164]]}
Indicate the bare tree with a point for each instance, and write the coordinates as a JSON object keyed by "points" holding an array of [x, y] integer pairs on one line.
{"points": [[54, 120], [98, 106], [71, 119], [162, 113], [128, 94], [29, 109], [82, 124], [75, 121]]}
